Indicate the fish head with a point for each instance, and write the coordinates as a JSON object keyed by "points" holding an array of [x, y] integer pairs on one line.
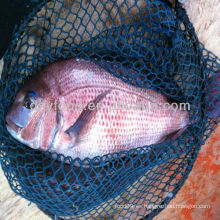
{"points": [[25, 118]]}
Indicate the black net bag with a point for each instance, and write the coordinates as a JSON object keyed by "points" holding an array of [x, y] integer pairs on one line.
{"points": [[146, 44]]}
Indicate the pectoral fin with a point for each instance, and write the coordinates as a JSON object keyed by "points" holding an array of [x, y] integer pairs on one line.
{"points": [[85, 117]]}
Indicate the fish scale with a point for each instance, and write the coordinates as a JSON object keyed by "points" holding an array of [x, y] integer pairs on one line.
{"points": [[105, 128]]}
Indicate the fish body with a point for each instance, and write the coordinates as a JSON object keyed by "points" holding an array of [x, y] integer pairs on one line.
{"points": [[76, 108]]}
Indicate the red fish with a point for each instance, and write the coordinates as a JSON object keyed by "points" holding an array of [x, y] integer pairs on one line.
{"points": [[70, 108]]}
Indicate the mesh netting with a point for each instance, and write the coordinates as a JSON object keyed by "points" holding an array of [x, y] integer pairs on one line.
{"points": [[144, 43]]}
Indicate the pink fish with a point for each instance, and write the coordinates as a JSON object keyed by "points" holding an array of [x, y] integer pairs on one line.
{"points": [[43, 117]]}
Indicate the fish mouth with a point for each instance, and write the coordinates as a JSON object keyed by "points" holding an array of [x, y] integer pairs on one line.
{"points": [[12, 126], [15, 131]]}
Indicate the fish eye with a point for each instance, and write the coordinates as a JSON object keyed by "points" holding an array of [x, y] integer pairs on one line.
{"points": [[29, 103]]}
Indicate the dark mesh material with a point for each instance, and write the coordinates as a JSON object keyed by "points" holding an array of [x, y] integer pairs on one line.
{"points": [[144, 37]]}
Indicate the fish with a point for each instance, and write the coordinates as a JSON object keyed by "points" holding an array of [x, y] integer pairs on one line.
{"points": [[42, 115]]}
